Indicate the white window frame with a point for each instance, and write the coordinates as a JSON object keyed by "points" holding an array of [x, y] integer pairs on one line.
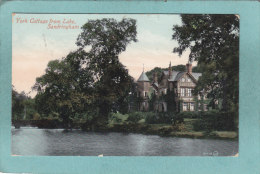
{"points": [[189, 94], [184, 106], [191, 106], [183, 92]]}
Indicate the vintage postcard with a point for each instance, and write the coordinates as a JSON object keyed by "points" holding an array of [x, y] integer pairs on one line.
{"points": [[125, 85], [129, 87]]}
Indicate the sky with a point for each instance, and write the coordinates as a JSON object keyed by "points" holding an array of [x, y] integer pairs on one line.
{"points": [[35, 43]]}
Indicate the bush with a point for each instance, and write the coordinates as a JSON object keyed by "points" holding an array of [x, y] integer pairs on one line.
{"points": [[117, 118], [151, 118], [214, 120], [177, 119], [159, 118], [136, 116], [187, 114], [36, 116], [179, 127]]}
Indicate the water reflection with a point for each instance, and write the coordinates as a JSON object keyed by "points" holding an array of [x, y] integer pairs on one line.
{"points": [[33, 141]]}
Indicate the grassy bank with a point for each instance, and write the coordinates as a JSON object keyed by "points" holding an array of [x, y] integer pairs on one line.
{"points": [[188, 127], [170, 130], [146, 123]]}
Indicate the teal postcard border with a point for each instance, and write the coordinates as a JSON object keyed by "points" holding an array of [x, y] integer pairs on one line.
{"points": [[249, 92]]}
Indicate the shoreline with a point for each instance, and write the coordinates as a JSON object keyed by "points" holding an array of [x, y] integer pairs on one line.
{"points": [[177, 134], [167, 132], [163, 130]]}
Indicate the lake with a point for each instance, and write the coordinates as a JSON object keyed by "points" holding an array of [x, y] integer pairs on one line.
{"points": [[56, 142]]}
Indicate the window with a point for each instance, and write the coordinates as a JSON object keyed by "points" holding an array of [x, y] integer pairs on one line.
{"points": [[183, 79], [182, 92], [191, 106], [145, 94], [189, 92], [188, 80], [205, 107], [185, 106]]}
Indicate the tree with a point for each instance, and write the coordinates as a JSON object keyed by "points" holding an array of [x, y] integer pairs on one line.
{"points": [[170, 100], [18, 100], [106, 39], [90, 80], [23, 106], [64, 88], [158, 70], [214, 43]]}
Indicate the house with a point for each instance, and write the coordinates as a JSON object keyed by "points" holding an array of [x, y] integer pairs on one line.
{"points": [[181, 83]]}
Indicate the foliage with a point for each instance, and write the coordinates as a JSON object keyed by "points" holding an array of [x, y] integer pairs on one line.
{"points": [[214, 43], [188, 114], [23, 107], [170, 100], [152, 101], [177, 119], [107, 38], [136, 116], [158, 118], [158, 70], [89, 82], [213, 120], [60, 90], [117, 118], [17, 104]]}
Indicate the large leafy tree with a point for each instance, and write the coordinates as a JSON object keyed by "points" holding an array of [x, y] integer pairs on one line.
{"points": [[103, 40], [64, 89], [214, 43], [22, 105], [18, 100], [90, 79]]}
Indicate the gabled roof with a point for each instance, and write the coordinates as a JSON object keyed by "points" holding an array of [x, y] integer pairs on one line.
{"points": [[179, 75], [176, 75], [143, 78]]}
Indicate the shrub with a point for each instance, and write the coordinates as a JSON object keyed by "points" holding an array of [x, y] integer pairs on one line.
{"points": [[214, 120], [179, 127], [177, 118], [151, 118], [187, 114], [117, 118], [36, 116], [136, 116], [159, 118]]}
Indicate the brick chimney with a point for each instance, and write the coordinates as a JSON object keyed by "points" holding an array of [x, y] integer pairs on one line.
{"points": [[189, 68], [170, 70]]}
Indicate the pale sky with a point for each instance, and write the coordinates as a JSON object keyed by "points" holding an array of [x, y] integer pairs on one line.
{"points": [[34, 45]]}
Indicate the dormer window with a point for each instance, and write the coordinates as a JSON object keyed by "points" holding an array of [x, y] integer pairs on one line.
{"points": [[189, 80], [183, 79]]}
